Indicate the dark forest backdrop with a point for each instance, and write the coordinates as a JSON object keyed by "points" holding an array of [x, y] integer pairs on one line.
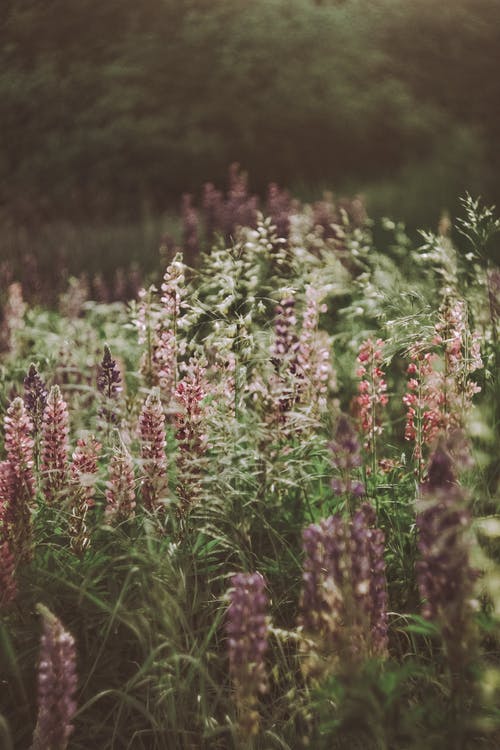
{"points": [[109, 111]]}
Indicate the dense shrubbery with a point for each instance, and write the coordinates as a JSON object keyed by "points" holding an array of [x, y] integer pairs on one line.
{"points": [[112, 108], [258, 506]]}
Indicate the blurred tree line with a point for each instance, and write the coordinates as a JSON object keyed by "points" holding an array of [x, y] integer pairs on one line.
{"points": [[108, 107]]}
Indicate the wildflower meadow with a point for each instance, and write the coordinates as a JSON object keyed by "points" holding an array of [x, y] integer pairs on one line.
{"points": [[255, 505]]}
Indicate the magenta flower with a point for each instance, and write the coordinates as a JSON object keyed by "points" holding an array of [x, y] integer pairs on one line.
{"points": [[83, 476]]}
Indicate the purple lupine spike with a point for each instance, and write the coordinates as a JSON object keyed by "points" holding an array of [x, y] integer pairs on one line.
{"points": [[444, 575], [57, 683], [321, 602], [344, 594], [35, 397], [346, 458], [109, 386], [247, 630], [368, 576], [108, 376]]}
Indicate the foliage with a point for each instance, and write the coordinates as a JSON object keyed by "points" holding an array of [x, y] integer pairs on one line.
{"points": [[236, 562]]}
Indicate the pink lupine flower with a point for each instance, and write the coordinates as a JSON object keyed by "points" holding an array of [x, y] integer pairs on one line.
{"points": [[173, 291], [120, 487], [190, 423], [164, 364], [54, 446], [83, 476], [314, 365], [18, 481], [153, 443], [19, 446], [57, 683], [372, 391], [247, 627], [440, 390]]}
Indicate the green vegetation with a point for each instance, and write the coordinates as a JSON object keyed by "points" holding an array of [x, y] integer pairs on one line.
{"points": [[113, 109], [285, 533]]}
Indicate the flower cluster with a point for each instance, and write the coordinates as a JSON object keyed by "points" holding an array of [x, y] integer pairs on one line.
{"points": [[444, 574], [120, 487], [17, 481], [344, 597], [153, 443], [190, 425], [440, 390], [35, 397], [313, 352], [57, 683], [247, 629], [108, 385], [83, 474], [346, 458], [54, 445], [372, 390]]}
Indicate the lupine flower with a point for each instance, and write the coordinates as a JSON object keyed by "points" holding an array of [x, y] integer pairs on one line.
{"points": [[313, 353], [8, 584], [164, 364], [444, 575], [57, 683], [344, 599], [247, 630], [54, 445], [17, 483], [108, 385], [35, 398], [440, 390], [19, 448], [284, 347], [325, 571], [83, 475], [346, 459], [367, 575], [190, 423], [372, 390], [120, 487], [153, 443], [173, 290]]}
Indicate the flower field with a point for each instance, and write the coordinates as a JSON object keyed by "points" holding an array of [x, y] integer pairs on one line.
{"points": [[257, 506]]}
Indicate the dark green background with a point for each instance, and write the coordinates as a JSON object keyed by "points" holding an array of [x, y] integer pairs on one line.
{"points": [[110, 109]]}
